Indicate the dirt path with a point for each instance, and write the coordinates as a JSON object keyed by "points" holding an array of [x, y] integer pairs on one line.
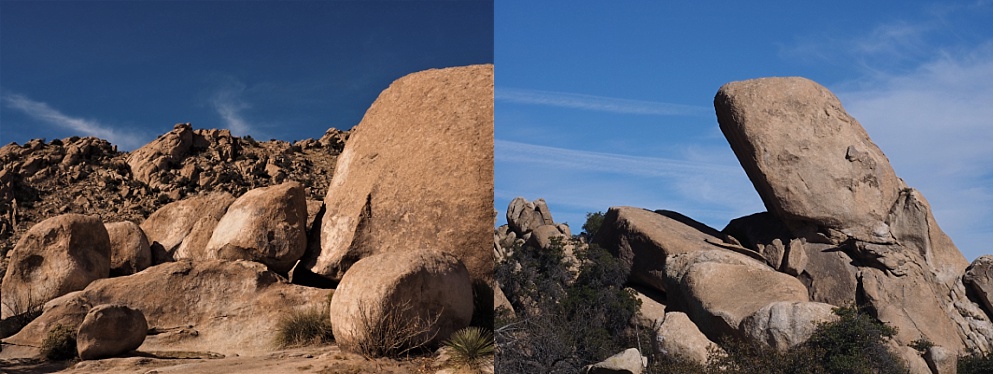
{"points": [[323, 360]]}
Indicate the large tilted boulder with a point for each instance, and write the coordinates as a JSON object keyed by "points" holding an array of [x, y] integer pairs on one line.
{"points": [[110, 330], [818, 172], [129, 248], [417, 172], [226, 307], [424, 290], [809, 160], [784, 325], [56, 256], [182, 229], [265, 225]]}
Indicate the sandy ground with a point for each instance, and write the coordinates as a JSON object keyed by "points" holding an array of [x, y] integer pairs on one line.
{"points": [[323, 360]]}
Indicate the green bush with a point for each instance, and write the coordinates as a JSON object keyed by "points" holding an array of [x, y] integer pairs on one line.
{"points": [[471, 346], [60, 343], [976, 363], [593, 223], [565, 320], [855, 343]]}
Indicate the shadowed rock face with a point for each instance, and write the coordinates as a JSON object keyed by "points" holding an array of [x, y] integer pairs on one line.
{"points": [[417, 172]]}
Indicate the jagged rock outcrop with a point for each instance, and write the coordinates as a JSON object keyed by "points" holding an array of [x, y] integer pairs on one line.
{"points": [[110, 330], [39, 180], [57, 256], [426, 291], [417, 172], [265, 225], [979, 278], [214, 305], [181, 230], [818, 172], [129, 248], [524, 216]]}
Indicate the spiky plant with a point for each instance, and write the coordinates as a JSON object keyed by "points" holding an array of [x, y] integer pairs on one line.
{"points": [[471, 346]]}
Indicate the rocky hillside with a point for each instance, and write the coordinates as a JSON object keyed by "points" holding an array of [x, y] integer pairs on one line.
{"points": [[87, 175], [217, 244], [841, 230]]}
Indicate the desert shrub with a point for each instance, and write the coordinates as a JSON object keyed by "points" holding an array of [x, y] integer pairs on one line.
{"points": [[471, 347], [741, 357], [60, 343], [593, 223], [976, 363], [564, 320], [396, 332], [304, 327], [855, 343], [921, 345]]}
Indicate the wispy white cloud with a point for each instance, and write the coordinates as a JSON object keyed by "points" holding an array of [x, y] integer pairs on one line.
{"points": [[86, 127], [575, 182], [596, 103], [935, 125], [227, 101]]}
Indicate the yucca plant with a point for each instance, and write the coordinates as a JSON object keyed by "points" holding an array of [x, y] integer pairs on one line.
{"points": [[471, 346]]}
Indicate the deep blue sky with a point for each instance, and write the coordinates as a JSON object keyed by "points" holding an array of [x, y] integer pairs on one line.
{"points": [[128, 71], [601, 104]]}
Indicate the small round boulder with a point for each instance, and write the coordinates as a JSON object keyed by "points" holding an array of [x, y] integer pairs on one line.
{"points": [[110, 330], [429, 292]]}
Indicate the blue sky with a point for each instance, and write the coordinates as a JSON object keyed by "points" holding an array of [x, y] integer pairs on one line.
{"points": [[127, 71], [602, 104]]}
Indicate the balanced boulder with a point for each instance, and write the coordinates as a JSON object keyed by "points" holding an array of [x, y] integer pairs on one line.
{"points": [[56, 256], [129, 249], [809, 160], [110, 330], [417, 172], [265, 225], [425, 292]]}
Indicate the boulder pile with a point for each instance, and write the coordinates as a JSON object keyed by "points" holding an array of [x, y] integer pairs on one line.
{"points": [[841, 229], [208, 270]]}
